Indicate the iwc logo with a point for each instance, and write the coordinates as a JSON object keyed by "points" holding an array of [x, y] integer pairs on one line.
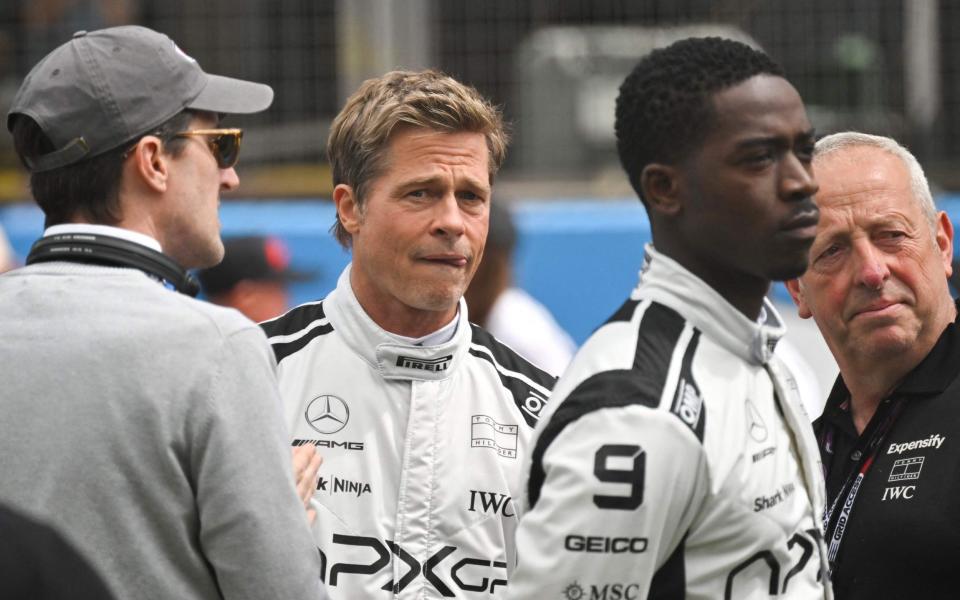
{"points": [[327, 414]]}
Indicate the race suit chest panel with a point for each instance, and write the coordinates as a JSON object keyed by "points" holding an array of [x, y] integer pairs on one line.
{"points": [[416, 489], [759, 514]]}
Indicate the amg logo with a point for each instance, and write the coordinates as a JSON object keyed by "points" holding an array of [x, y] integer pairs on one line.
{"points": [[491, 502], [435, 364], [764, 453], [343, 486], [330, 444]]}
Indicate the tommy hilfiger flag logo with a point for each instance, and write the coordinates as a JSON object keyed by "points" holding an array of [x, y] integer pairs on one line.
{"points": [[487, 433], [906, 468]]}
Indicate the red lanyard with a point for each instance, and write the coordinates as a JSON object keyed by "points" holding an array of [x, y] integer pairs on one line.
{"points": [[835, 521]]}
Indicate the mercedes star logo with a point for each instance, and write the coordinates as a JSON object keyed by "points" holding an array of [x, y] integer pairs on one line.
{"points": [[755, 424], [327, 414]]}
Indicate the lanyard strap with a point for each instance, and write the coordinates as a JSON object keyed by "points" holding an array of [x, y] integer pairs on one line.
{"points": [[835, 522]]}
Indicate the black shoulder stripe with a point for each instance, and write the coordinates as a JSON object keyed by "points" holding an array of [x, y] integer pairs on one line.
{"points": [[657, 336], [670, 580], [284, 349], [625, 312], [294, 320], [659, 330], [509, 359], [528, 399], [609, 389], [687, 401]]}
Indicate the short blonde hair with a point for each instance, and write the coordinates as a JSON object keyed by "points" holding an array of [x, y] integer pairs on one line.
{"points": [[360, 133]]}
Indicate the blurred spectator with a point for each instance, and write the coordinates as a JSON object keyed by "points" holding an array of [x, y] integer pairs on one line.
{"points": [[512, 315], [48, 22], [7, 259], [253, 277], [37, 563]]}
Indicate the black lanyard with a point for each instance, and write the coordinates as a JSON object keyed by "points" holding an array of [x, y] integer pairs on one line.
{"points": [[835, 521]]}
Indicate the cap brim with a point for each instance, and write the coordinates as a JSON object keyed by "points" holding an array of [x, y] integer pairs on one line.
{"points": [[232, 96]]}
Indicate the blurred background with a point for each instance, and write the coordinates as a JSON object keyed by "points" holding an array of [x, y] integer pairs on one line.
{"points": [[886, 66]]}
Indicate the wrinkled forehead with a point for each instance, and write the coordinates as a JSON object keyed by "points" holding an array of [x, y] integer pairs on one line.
{"points": [[862, 188], [860, 171]]}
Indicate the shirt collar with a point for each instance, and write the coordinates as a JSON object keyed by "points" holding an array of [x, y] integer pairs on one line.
{"points": [[836, 410], [392, 356], [937, 370], [108, 230], [440, 336]]}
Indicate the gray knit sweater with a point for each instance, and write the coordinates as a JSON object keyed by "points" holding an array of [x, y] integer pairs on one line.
{"points": [[146, 427]]}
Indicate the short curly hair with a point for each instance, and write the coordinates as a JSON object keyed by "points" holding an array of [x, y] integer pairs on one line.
{"points": [[664, 109], [360, 133]]}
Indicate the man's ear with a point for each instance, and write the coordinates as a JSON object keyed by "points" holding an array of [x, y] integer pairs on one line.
{"points": [[796, 292], [150, 163], [348, 210], [944, 239], [661, 188]]}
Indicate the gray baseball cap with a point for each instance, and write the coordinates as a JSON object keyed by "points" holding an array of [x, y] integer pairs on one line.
{"points": [[104, 88]]}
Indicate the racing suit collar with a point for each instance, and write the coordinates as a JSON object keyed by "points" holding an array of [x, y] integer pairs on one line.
{"points": [[664, 280], [391, 356]]}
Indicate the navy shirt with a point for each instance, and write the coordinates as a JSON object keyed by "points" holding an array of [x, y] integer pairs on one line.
{"points": [[902, 539]]}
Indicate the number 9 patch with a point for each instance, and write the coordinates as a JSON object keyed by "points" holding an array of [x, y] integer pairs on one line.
{"points": [[632, 476]]}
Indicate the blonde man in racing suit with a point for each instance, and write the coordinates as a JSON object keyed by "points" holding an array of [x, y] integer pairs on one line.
{"points": [[424, 420]]}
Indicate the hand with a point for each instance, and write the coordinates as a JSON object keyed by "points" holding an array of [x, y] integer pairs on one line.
{"points": [[306, 465]]}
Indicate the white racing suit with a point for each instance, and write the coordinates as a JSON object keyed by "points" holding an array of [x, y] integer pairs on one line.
{"points": [[423, 449], [674, 460]]}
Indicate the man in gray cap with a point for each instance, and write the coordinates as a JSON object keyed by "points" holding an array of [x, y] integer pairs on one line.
{"points": [[141, 423]]}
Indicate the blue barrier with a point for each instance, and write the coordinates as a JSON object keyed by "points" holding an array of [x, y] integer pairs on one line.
{"points": [[579, 257]]}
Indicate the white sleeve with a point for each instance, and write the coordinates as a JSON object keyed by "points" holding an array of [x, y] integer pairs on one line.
{"points": [[620, 488]]}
